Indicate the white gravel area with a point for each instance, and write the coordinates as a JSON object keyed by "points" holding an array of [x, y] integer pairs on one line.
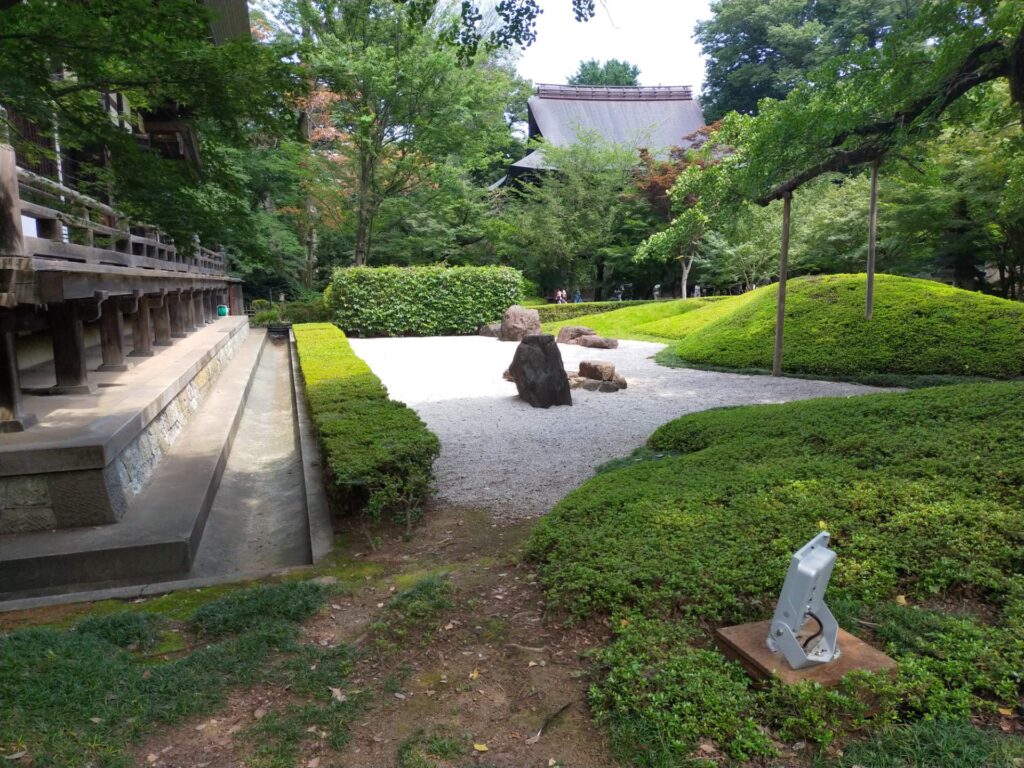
{"points": [[500, 454]]}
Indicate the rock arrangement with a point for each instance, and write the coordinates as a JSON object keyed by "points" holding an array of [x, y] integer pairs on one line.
{"points": [[585, 337], [597, 376], [539, 373], [491, 330], [518, 323]]}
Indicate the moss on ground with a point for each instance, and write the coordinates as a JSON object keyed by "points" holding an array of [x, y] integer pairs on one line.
{"points": [[635, 321], [922, 493]]}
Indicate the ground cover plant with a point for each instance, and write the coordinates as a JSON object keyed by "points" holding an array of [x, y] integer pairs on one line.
{"points": [[919, 327], [80, 696], [420, 301], [922, 493], [629, 322], [378, 452]]}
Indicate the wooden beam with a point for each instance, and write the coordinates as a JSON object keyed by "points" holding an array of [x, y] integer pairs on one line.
{"points": [[780, 314], [112, 337], [142, 331], [177, 315]]}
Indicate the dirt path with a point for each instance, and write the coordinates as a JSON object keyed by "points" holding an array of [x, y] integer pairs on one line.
{"points": [[489, 671]]}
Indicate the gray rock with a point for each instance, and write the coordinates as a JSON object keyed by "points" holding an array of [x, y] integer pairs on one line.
{"points": [[590, 385], [570, 333], [607, 386], [599, 370], [490, 330], [539, 373], [597, 342], [518, 323], [620, 381]]}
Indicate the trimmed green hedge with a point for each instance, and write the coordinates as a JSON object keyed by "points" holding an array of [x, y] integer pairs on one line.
{"points": [[554, 313], [420, 301], [378, 452], [922, 493]]}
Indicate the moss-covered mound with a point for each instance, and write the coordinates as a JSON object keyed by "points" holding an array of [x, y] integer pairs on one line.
{"points": [[923, 494], [634, 321], [919, 327]]}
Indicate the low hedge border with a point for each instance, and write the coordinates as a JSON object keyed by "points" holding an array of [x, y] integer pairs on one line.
{"points": [[379, 454], [554, 313]]}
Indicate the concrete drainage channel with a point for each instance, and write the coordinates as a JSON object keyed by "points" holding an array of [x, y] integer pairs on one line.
{"points": [[270, 512]]}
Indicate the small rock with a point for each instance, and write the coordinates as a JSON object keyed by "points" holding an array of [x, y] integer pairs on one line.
{"points": [[620, 381], [607, 386], [518, 323], [570, 333], [590, 385], [599, 370], [491, 330], [597, 342]]}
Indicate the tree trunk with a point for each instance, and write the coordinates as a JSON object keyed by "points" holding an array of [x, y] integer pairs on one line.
{"points": [[684, 283], [869, 306], [365, 214], [780, 315]]}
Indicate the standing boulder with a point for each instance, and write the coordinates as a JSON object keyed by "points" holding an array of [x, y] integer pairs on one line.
{"points": [[539, 374], [518, 323], [570, 333]]}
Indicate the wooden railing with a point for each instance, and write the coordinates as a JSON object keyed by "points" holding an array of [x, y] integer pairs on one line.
{"points": [[74, 227]]}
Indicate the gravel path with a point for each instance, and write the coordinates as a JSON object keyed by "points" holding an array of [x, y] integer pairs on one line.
{"points": [[500, 454]]}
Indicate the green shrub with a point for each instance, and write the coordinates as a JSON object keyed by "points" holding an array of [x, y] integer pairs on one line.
{"points": [[420, 301], [919, 327], [922, 494], [554, 313], [265, 317], [306, 311], [379, 454], [261, 305]]}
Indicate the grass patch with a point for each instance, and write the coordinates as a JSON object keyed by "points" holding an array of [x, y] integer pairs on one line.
{"points": [[632, 322], [78, 697], [558, 313], [427, 746], [922, 493], [415, 610], [379, 453], [935, 744]]}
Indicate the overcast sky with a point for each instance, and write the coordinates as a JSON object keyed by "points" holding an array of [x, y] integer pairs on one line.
{"points": [[656, 35]]}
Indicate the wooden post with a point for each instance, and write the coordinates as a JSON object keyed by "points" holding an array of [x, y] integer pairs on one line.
{"points": [[12, 241], [869, 306], [188, 311], [197, 308], [161, 320], [12, 415], [177, 315], [235, 299], [211, 306], [142, 331], [68, 333], [112, 337], [780, 315]]}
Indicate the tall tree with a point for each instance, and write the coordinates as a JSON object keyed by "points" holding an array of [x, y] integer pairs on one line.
{"points": [[757, 50], [611, 72], [402, 103]]}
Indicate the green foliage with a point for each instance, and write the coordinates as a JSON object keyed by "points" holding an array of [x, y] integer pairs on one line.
{"points": [[420, 301], [235, 613], [266, 317], [611, 72], [758, 50], [919, 327], [632, 322], [555, 313], [441, 743], [934, 744], [76, 698], [140, 630], [412, 611], [379, 454], [921, 493]]}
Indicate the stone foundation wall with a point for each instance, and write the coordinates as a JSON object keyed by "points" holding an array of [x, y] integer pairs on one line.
{"points": [[98, 497]]}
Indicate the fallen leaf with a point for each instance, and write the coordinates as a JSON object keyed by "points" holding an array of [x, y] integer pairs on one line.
{"points": [[1005, 711], [449, 626], [338, 696], [535, 738], [552, 762], [96, 720], [480, 747], [707, 748], [474, 674], [400, 696], [151, 758], [532, 664], [901, 599], [147, 674], [16, 755]]}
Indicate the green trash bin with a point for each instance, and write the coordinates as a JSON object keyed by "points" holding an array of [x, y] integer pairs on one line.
{"points": [[222, 310]]}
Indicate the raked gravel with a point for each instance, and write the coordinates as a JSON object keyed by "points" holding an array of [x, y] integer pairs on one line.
{"points": [[499, 454]]}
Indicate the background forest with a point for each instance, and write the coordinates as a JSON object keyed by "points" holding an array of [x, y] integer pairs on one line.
{"points": [[372, 132]]}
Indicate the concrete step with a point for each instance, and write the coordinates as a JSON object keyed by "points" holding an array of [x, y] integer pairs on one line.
{"points": [[159, 535]]}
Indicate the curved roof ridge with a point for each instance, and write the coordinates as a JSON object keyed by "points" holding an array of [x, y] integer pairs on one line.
{"points": [[616, 92]]}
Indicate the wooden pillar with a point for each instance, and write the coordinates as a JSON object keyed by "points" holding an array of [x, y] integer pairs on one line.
{"points": [[199, 308], [12, 415], [235, 301], [68, 334], [176, 314], [869, 304], [780, 315], [188, 311], [211, 306], [161, 320], [142, 330], [112, 337]]}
